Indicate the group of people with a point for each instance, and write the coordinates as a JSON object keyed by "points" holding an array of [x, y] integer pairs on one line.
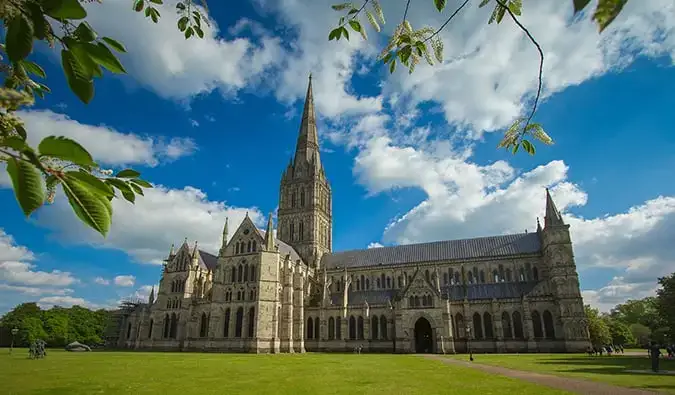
{"points": [[670, 350], [606, 349], [37, 349]]}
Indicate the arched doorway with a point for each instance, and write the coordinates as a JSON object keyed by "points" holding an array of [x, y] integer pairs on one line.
{"points": [[423, 336]]}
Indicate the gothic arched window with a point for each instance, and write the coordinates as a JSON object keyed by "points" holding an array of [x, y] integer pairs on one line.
{"points": [[536, 325], [293, 199], [240, 274], [331, 328], [352, 328], [203, 326], [360, 327], [246, 273], [226, 325], [248, 246], [301, 230], [251, 322], [233, 276], [374, 328], [239, 322], [317, 327], [383, 328], [253, 248], [477, 326], [487, 321], [549, 328], [302, 197], [507, 332], [517, 326], [252, 277]]}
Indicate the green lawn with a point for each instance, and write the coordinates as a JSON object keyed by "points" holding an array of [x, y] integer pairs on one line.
{"points": [[605, 369], [191, 373]]}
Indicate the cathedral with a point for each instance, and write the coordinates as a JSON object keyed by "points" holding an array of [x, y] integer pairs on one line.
{"points": [[288, 292]]}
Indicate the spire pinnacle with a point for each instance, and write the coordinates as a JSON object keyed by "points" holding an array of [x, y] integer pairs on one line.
{"points": [[151, 298], [223, 245], [269, 234], [308, 139], [553, 216]]}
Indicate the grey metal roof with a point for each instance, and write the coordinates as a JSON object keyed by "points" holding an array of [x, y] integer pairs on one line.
{"points": [[447, 250], [380, 296], [488, 291], [284, 248], [210, 261]]}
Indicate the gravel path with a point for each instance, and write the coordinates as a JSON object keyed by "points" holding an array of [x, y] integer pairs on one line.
{"points": [[578, 386]]}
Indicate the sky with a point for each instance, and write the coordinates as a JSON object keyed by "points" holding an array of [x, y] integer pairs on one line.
{"points": [[410, 157]]}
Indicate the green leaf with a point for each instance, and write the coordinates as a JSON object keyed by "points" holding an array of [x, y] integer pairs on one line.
{"points": [[84, 32], [188, 32], [334, 34], [182, 23], [65, 149], [93, 183], [33, 68], [138, 5], [127, 173], [340, 7], [199, 31], [78, 82], [580, 5], [21, 131], [180, 7], [14, 142], [51, 181], [355, 25], [607, 11], [529, 148], [88, 67], [440, 4], [404, 54], [157, 1], [102, 55], [92, 208], [19, 38], [392, 66], [64, 9], [345, 32], [136, 189], [140, 182], [154, 15], [123, 187], [37, 16], [116, 45], [27, 185]]}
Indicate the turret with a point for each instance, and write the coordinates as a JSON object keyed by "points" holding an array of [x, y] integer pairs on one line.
{"points": [[151, 298], [195, 256], [269, 235], [223, 244]]}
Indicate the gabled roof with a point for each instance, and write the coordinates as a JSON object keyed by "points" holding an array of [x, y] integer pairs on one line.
{"points": [[284, 249], [209, 261], [448, 250]]}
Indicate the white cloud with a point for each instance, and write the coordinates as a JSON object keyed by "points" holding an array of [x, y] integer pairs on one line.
{"points": [[106, 145], [491, 69], [125, 281], [160, 57], [65, 301], [101, 281], [10, 251], [375, 245], [146, 229], [34, 291]]}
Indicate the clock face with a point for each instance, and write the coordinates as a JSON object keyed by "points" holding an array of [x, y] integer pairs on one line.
{"points": [[245, 231]]}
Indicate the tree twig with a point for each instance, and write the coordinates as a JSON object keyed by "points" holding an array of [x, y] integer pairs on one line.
{"points": [[541, 62], [405, 13], [446, 21]]}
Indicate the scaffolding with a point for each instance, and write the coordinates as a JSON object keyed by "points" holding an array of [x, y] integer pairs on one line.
{"points": [[116, 320]]}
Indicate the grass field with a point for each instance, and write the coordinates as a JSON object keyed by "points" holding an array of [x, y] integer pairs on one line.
{"points": [[190, 373], [606, 369]]}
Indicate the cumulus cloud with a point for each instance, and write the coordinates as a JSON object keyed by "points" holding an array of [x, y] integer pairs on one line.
{"points": [[101, 281], [145, 230], [65, 301], [491, 70], [160, 57], [34, 291], [375, 245], [125, 281], [106, 145]]}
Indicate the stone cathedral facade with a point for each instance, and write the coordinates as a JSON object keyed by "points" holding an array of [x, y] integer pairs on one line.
{"points": [[289, 292]]}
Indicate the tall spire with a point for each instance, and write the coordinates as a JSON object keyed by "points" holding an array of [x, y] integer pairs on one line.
{"points": [[269, 235], [553, 217], [307, 147], [225, 237], [151, 299]]}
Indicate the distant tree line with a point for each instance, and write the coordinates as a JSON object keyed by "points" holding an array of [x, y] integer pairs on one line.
{"points": [[637, 322], [57, 326]]}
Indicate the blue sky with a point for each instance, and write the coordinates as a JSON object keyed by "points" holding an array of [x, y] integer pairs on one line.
{"points": [[410, 158]]}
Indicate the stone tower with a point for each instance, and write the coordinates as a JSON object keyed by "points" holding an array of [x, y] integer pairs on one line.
{"points": [[305, 214], [563, 277]]}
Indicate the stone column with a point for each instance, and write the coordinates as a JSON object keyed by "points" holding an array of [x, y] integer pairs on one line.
{"points": [[527, 324], [497, 328], [298, 312]]}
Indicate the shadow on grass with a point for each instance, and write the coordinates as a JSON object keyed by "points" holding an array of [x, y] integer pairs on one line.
{"points": [[611, 365]]}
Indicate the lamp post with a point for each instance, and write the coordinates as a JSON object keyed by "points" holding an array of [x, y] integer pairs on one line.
{"points": [[468, 341], [11, 345]]}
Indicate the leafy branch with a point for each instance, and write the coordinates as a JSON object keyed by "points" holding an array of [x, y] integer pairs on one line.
{"points": [[36, 172], [407, 46]]}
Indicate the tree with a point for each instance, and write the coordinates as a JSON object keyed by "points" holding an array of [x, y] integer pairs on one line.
{"points": [[36, 172], [640, 311], [666, 304], [58, 326], [597, 327], [641, 333], [408, 46], [619, 332]]}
